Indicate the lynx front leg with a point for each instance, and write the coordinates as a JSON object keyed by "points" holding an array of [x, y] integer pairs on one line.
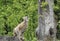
{"points": [[20, 37]]}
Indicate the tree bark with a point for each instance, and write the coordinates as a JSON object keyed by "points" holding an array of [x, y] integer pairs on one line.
{"points": [[46, 30], [41, 23]]}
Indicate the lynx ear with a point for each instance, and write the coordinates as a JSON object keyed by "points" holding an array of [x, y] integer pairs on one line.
{"points": [[25, 17]]}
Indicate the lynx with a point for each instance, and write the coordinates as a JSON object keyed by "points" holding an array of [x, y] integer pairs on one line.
{"points": [[20, 28]]}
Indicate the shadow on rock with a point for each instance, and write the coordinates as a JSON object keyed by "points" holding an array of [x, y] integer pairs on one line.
{"points": [[8, 38]]}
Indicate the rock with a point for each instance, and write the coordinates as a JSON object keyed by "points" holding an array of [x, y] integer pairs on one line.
{"points": [[8, 38]]}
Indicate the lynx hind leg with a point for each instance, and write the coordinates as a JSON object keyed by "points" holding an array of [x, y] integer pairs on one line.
{"points": [[15, 34]]}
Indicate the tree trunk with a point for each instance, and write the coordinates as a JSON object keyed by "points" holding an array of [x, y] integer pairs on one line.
{"points": [[41, 23], [46, 22]]}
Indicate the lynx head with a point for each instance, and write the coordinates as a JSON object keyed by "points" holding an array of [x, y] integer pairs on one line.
{"points": [[25, 18]]}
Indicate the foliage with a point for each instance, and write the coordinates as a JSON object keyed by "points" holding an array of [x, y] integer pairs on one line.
{"points": [[57, 12], [44, 4], [12, 11]]}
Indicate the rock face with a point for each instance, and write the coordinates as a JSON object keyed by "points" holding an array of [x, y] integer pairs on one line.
{"points": [[8, 38]]}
